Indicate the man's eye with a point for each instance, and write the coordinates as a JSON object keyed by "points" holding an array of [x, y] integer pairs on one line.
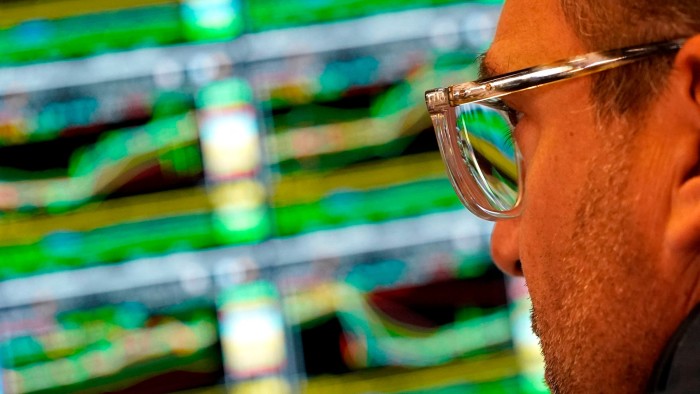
{"points": [[514, 115]]}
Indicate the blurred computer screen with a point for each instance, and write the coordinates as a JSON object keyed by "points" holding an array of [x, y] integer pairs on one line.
{"points": [[244, 196]]}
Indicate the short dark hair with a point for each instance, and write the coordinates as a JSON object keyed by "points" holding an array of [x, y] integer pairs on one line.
{"points": [[609, 24]]}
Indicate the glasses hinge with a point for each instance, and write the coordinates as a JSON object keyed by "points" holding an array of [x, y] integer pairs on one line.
{"points": [[436, 100]]}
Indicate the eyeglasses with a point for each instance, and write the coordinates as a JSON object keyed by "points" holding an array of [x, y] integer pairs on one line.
{"points": [[474, 127]]}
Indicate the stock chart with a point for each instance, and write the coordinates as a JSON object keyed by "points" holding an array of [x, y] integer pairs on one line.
{"points": [[239, 196]]}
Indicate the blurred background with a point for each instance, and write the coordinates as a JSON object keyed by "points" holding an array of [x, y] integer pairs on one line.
{"points": [[244, 196]]}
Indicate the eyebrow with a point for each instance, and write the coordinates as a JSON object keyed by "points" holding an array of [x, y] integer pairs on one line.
{"points": [[486, 70]]}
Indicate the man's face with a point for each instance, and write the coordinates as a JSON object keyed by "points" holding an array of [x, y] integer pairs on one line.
{"points": [[589, 239]]}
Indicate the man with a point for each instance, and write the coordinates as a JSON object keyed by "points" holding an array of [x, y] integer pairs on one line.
{"points": [[607, 233]]}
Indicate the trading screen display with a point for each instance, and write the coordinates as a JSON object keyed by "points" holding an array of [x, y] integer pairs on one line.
{"points": [[244, 196]]}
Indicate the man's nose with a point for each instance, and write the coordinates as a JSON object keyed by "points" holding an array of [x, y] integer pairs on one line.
{"points": [[505, 250]]}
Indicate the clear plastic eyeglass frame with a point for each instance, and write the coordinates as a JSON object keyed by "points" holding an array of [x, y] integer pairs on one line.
{"points": [[441, 103]]}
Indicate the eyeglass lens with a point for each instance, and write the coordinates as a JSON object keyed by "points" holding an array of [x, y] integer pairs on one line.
{"points": [[485, 136]]}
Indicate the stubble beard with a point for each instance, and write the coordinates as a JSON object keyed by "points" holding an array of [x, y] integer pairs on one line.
{"points": [[595, 323]]}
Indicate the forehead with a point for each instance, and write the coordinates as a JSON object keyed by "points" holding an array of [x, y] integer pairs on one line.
{"points": [[531, 33]]}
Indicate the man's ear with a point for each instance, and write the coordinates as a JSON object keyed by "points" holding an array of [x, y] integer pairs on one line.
{"points": [[684, 223]]}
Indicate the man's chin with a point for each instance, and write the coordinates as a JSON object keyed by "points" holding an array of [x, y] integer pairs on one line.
{"points": [[579, 360], [554, 376]]}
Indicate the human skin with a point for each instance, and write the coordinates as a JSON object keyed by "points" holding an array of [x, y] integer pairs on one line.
{"points": [[609, 237]]}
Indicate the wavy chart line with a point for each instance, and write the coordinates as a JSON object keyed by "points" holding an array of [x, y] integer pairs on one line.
{"points": [[372, 343], [121, 155], [104, 167], [470, 371], [398, 113], [140, 146]]}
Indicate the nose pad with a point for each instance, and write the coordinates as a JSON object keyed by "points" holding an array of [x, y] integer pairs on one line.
{"points": [[505, 247]]}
